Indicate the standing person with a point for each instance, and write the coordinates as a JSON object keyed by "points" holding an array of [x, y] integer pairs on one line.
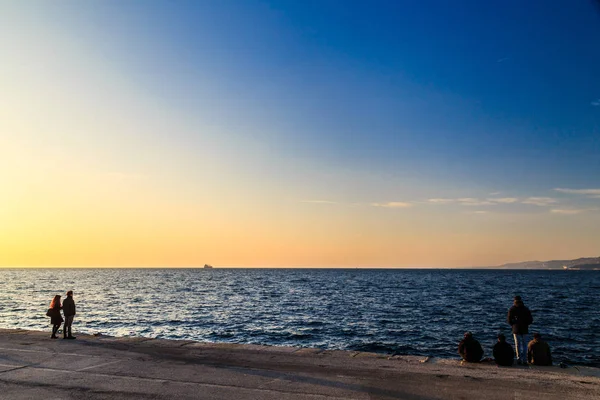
{"points": [[538, 351], [503, 352], [69, 312], [470, 349], [54, 314], [519, 317]]}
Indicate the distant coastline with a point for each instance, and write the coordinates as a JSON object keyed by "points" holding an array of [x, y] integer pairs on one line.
{"points": [[578, 264], [584, 263]]}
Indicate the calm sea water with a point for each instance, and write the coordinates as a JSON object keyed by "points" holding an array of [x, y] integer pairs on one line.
{"points": [[420, 312]]}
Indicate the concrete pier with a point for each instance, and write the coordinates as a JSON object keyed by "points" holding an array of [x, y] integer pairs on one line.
{"points": [[32, 366]]}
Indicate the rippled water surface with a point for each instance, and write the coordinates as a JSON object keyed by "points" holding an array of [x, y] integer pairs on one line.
{"points": [[423, 312]]}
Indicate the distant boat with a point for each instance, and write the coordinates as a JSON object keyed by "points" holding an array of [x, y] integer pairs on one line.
{"points": [[207, 266]]}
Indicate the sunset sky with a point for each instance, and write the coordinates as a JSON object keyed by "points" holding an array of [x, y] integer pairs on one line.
{"points": [[298, 133]]}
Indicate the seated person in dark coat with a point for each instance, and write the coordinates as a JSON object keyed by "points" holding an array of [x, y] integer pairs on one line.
{"points": [[470, 349], [538, 351], [503, 352]]}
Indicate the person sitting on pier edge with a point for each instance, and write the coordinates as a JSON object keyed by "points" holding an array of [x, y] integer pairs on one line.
{"points": [[538, 351], [470, 349], [519, 317], [503, 352]]}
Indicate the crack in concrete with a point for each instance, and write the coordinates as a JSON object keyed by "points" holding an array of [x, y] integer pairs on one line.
{"points": [[15, 369]]}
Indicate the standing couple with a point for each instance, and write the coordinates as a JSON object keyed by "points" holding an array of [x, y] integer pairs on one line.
{"points": [[68, 307]]}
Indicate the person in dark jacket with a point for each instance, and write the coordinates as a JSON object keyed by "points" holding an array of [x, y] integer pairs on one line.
{"points": [[519, 317], [68, 307], [54, 313], [503, 352], [470, 349], [538, 351]]}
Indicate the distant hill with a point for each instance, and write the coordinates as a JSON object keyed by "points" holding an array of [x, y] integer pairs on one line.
{"points": [[553, 264]]}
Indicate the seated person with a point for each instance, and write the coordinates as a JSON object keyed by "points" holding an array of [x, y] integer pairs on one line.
{"points": [[538, 351], [503, 352], [470, 349]]}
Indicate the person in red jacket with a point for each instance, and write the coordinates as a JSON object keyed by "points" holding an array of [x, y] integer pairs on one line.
{"points": [[54, 313]]}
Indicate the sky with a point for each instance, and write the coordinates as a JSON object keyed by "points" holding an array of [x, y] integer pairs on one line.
{"points": [[298, 134]]}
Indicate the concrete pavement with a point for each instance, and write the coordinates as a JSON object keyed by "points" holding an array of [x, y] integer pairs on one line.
{"points": [[32, 366]]}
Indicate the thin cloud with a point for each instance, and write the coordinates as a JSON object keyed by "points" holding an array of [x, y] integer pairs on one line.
{"points": [[503, 59], [441, 201], [540, 201], [570, 211], [505, 200], [586, 192], [475, 203], [596, 103], [390, 204], [495, 201], [319, 202], [393, 204], [464, 201], [480, 212]]}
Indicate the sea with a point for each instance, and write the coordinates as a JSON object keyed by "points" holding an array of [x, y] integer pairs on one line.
{"points": [[393, 311]]}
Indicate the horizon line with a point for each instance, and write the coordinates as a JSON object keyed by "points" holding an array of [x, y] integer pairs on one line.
{"points": [[266, 267]]}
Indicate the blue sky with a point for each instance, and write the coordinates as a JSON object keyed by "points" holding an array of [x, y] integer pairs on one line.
{"points": [[296, 106], [495, 95]]}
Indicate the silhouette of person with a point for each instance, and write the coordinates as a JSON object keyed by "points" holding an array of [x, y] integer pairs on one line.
{"points": [[470, 349], [54, 313], [503, 352], [519, 317], [69, 312], [538, 351]]}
